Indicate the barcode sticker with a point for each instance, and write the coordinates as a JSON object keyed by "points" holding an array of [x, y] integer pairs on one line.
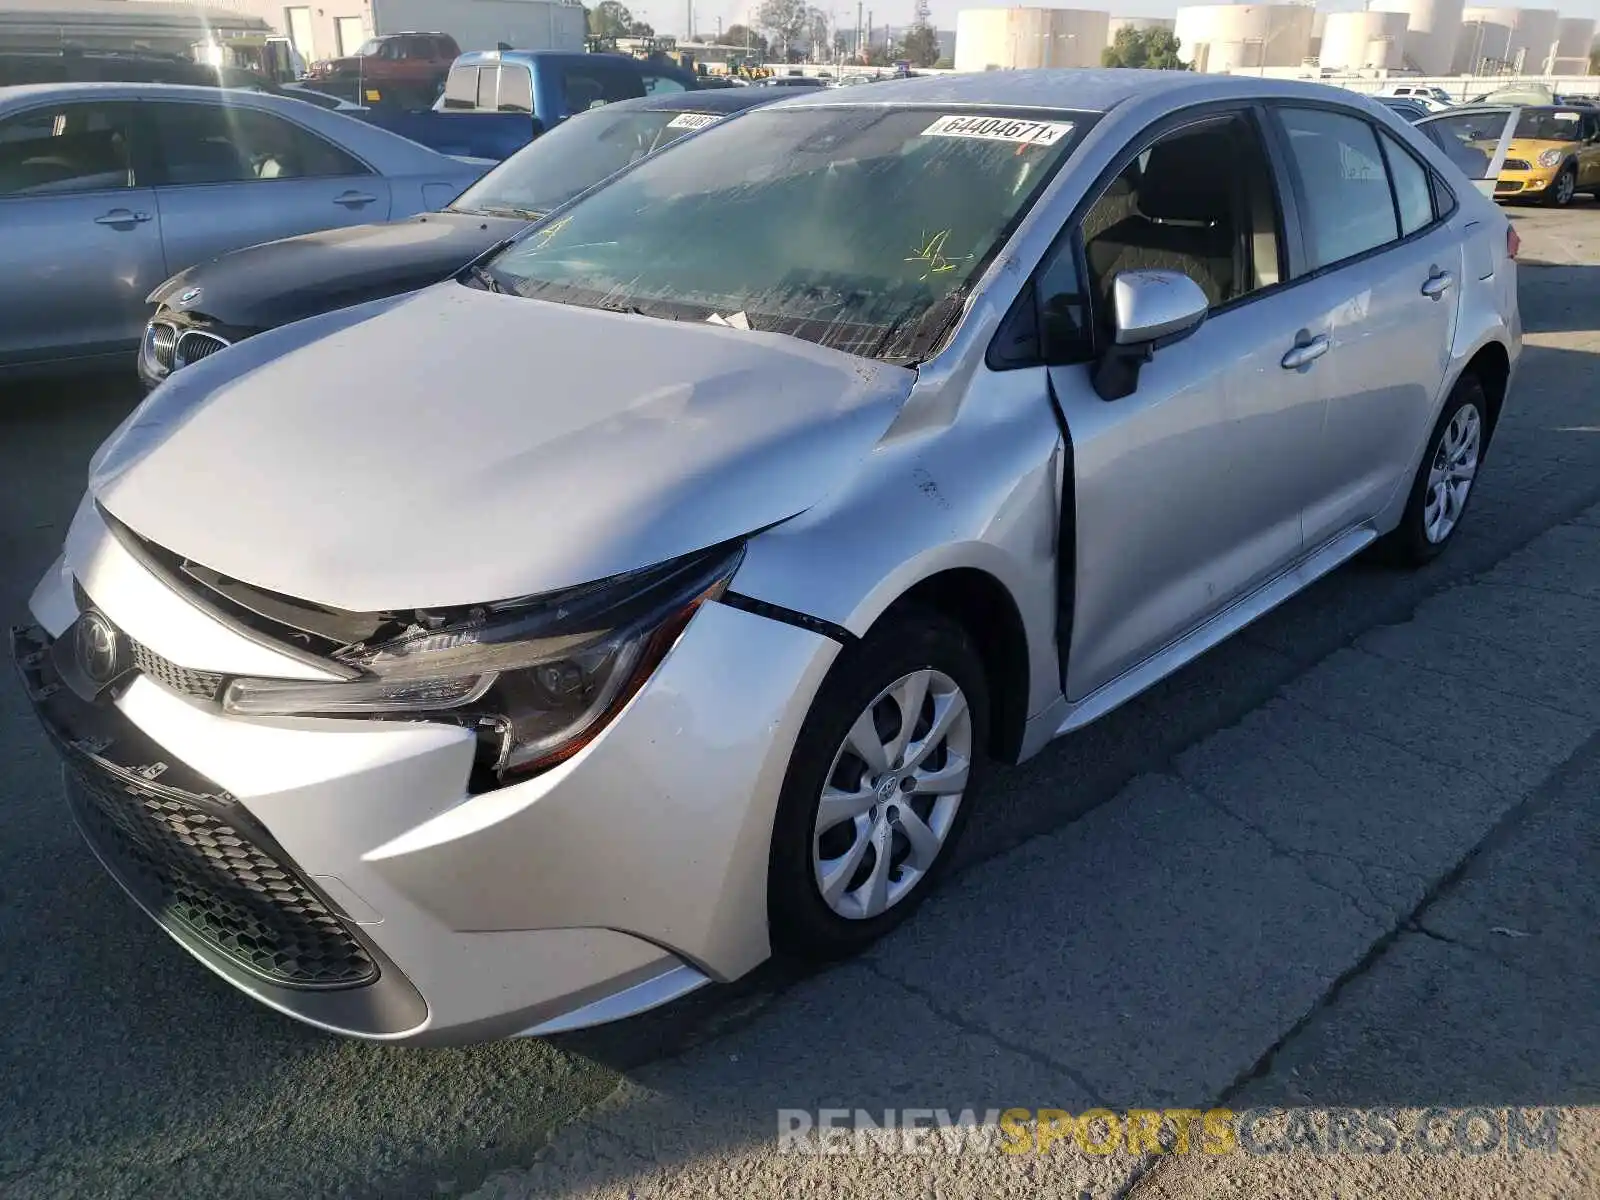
{"points": [[1000, 129], [692, 120]]}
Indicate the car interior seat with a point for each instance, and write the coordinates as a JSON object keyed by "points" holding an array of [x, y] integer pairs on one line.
{"points": [[1181, 218]]}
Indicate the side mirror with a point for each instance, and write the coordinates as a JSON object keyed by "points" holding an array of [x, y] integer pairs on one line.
{"points": [[1150, 310]]}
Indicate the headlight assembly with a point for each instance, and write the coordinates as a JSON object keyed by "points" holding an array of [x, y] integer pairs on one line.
{"points": [[536, 678], [1550, 158]]}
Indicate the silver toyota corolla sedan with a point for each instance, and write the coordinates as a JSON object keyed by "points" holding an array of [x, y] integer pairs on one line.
{"points": [[106, 189], [526, 651]]}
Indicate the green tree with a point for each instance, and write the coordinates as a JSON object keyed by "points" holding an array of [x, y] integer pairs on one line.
{"points": [[920, 47], [610, 19], [1154, 49], [743, 35], [786, 21]]}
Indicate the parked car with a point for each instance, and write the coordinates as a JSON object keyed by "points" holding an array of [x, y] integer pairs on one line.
{"points": [[107, 189], [1433, 98], [236, 296], [792, 81], [19, 67], [528, 650], [496, 102], [1554, 153], [399, 58], [1408, 108]]}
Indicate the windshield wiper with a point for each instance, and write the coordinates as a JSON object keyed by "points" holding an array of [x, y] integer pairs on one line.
{"points": [[506, 210], [482, 275]]}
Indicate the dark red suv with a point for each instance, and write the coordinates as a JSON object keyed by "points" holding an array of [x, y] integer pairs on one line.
{"points": [[410, 59]]}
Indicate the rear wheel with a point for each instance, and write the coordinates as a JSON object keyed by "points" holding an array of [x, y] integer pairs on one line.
{"points": [[1445, 477], [876, 796]]}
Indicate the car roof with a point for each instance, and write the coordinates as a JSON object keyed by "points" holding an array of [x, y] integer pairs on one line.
{"points": [[1098, 90], [711, 100]]}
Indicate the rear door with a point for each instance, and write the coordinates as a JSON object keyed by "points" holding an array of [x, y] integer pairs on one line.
{"points": [[1589, 154], [1476, 141], [235, 176], [1379, 244], [79, 244]]}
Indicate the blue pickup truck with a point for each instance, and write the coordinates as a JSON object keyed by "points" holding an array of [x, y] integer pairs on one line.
{"points": [[497, 101]]}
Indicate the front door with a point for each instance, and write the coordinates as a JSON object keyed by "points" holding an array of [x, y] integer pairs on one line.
{"points": [[80, 248], [1186, 494], [235, 176]]}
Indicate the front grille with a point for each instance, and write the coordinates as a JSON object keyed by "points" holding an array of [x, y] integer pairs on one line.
{"points": [[1516, 164], [202, 685], [194, 345], [193, 869], [1506, 185], [159, 341]]}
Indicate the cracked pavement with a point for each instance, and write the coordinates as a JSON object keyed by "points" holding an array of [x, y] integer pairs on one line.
{"points": [[1345, 861]]}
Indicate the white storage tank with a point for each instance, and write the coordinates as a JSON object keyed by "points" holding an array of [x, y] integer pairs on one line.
{"points": [[1574, 39], [989, 39], [1355, 41], [1534, 38], [1142, 24], [1244, 37], [1433, 29], [1485, 37]]}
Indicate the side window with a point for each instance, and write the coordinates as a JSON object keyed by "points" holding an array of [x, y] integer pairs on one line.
{"points": [[216, 143], [516, 89], [1345, 209], [592, 86], [1171, 208], [65, 148], [488, 84], [661, 85], [461, 89], [1412, 194]]}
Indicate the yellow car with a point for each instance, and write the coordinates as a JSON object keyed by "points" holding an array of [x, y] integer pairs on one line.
{"points": [[1554, 154]]}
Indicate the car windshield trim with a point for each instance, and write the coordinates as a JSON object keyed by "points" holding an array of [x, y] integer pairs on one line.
{"points": [[827, 223]]}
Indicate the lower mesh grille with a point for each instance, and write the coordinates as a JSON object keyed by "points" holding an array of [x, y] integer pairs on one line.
{"points": [[197, 871]]}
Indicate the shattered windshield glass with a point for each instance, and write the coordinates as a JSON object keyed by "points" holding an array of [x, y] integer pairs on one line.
{"points": [[850, 226], [575, 155]]}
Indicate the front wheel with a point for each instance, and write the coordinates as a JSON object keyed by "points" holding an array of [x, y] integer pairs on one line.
{"points": [[1445, 477], [876, 795], [1565, 187]]}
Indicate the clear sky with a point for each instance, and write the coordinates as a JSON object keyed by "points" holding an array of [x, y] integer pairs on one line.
{"points": [[671, 16]]}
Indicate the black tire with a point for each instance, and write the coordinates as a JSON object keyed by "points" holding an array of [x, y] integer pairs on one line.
{"points": [[1566, 184], [1409, 544], [800, 920]]}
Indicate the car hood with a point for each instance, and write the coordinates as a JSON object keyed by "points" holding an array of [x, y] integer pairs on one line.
{"points": [[456, 446], [261, 287]]}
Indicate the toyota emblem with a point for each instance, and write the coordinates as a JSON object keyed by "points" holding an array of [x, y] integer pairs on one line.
{"points": [[99, 649]]}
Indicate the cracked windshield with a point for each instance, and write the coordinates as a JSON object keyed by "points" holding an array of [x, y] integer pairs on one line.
{"points": [[844, 226]]}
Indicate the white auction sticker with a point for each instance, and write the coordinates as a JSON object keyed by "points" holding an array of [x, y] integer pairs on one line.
{"points": [[1000, 129], [693, 120]]}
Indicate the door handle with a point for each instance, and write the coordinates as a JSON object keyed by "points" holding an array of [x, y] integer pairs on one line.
{"points": [[354, 199], [1439, 282], [121, 216], [1306, 351]]}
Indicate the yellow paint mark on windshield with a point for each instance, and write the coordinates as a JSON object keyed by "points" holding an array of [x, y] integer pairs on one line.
{"points": [[931, 254]]}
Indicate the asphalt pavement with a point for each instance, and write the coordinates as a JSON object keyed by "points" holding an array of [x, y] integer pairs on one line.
{"points": [[1345, 862]]}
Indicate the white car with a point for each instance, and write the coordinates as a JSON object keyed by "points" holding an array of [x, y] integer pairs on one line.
{"points": [[526, 651]]}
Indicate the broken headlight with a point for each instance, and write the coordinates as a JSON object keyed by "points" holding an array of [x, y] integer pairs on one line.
{"points": [[536, 678]]}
